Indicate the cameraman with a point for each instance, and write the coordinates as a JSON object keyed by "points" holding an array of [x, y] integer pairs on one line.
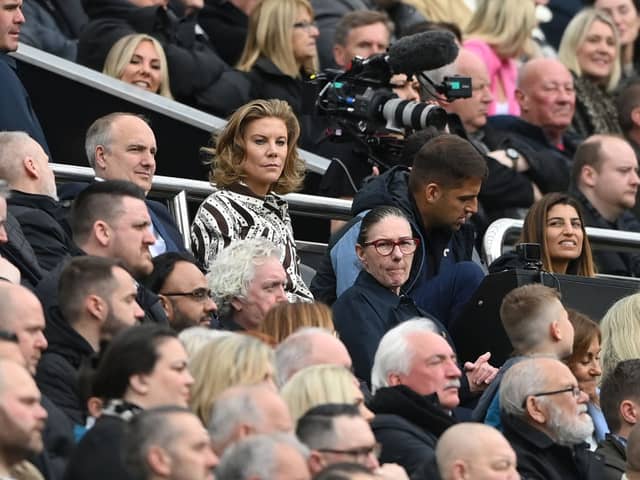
{"points": [[361, 33]]}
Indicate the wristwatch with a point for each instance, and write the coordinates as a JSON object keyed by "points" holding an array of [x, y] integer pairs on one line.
{"points": [[513, 155]]}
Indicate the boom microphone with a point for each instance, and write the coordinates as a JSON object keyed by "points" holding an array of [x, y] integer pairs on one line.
{"points": [[422, 51]]}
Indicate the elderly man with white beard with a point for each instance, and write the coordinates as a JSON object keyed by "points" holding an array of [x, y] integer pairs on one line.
{"points": [[544, 416]]}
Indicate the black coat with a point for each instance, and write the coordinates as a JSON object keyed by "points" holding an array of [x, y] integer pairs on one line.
{"points": [[364, 313], [57, 374], [549, 167], [226, 25], [40, 217], [407, 425], [16, 112], [611, 262], [98, 456], [194, 66], [614, 454], [19, 252], [539, 458]]}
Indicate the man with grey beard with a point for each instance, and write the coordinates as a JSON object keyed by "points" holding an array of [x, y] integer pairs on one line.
{"points": [[544, 416]]}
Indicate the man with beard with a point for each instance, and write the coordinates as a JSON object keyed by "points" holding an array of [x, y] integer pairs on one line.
{"points": [[183, 290], [109, 219], [97, 299], [22, 418], [544, 415]]}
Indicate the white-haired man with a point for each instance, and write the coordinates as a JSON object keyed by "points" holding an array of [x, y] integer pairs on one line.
{"points": [[544, 416], [246, 280], [415, 381]]}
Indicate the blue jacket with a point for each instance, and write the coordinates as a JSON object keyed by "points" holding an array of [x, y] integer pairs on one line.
{"points": [[439, 251], [364, 313], [16, 112]]}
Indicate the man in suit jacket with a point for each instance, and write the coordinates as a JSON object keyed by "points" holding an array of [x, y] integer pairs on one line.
{"points": [[122, 146]]}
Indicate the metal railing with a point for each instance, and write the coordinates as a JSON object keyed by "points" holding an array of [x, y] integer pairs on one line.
{"points": [[178, 192], [170, 108], [599, 238]]}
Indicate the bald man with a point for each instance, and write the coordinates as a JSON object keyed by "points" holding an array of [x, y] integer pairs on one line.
{"points": [[33, 201], [537, 142], [605, 183], [476, 451]]}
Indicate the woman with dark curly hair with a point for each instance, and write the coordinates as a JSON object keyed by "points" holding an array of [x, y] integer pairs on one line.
{"points": [[555, 222], [254, 161]]}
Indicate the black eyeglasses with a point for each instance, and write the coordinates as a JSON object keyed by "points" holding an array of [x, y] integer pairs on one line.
{"points": [[575, 390], [358, 453], [8, 336], [306, 26], [199, 294], [384, 247]]}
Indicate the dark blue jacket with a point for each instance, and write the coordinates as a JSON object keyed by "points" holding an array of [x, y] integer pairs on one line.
{"points": [[16, 112], [364, 313]]}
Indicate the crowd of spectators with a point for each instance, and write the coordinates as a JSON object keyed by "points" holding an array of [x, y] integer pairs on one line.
{"points": [[127, 352]]}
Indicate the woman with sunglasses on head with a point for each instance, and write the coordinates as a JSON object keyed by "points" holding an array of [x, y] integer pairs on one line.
{"points": [[375, 304]]}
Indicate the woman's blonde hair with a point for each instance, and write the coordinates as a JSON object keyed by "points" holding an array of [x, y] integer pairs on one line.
{"points": [[575, 35], [194, 338], [230, 149], [120, 55], [317, 385], [285, 318], [620, 329], [506, 25], [225, 362], [269, 35], [451, 11]]}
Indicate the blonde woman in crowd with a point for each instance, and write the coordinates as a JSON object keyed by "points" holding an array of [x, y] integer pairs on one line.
{"points": [[499, 33], [626, 16], [620, 328], [255, 160], [319, 384], [222, 363], [285, 318], [194, 338], [590, 49], [139, 59]]}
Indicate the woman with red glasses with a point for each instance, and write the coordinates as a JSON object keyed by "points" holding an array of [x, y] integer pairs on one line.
{"points": [[375, 303]]}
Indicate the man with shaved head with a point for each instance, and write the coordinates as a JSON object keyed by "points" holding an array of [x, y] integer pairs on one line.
{"points": [[477, 451], [33, 201]]}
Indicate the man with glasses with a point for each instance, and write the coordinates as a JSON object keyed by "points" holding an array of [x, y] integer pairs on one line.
{"points": [[338, 433], [544, 415], [183, 291]]}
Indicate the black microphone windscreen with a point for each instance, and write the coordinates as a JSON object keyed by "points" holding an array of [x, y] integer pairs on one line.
{"points": [[423, 51]]}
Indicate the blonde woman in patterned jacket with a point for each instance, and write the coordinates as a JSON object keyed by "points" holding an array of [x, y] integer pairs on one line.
{"points": [[254, 161]]}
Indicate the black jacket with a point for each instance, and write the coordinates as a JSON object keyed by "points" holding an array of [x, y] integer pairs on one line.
{"points": [[364, 313], [16, 112], [98, 456], [549, 167], [539, 458], [40, 217], [614, 454], [611, 262], [194, 67], [58, 442], [407, 425], [57, 374], [19, 252], [226, 25], [439, 248]]}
